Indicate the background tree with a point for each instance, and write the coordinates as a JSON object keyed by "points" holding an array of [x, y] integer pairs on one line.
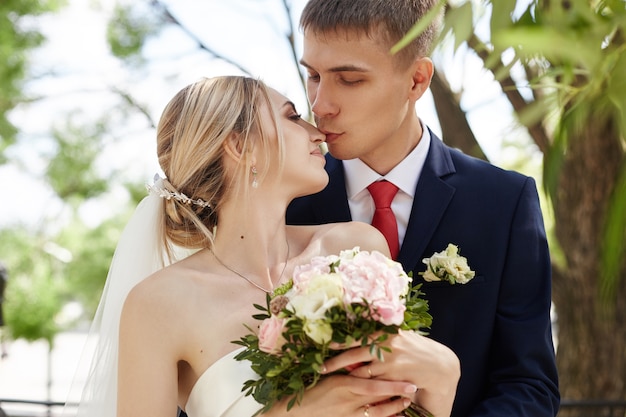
{"points": [[49, 262], [29, 288], [16, 40]]}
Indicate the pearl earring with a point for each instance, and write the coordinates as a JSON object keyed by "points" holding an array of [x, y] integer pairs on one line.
{"points": [[255, 182]]}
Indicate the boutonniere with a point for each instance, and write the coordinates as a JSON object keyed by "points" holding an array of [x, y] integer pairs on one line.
{"points": [[447, 265]]}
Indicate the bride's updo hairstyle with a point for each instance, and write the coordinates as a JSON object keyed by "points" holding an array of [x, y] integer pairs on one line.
{"points": [[190, 146]]}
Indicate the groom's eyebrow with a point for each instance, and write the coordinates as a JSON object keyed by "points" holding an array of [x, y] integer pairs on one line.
{"points": [[339, 68], [304, 64]]}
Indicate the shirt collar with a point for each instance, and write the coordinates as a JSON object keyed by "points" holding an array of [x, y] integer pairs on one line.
{"points": [[405, 175]]}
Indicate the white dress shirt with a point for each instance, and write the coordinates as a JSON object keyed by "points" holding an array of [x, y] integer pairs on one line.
{"points": [[405, 176]]}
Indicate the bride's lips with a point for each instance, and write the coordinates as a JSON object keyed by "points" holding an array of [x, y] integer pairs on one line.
{"points": [[320, 150]]}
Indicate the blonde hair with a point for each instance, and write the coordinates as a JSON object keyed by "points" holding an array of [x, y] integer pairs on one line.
{"points": [[191, 138]]}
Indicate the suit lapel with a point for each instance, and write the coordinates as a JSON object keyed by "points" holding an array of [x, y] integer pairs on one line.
{"points": [[432, 196]]}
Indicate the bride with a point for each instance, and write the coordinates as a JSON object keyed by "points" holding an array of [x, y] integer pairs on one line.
{"points": [[208, 242]]}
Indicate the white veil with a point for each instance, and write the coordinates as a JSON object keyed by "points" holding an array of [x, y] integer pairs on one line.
{"points": [[139, 253]]}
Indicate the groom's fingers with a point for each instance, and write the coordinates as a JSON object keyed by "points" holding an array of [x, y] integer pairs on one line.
{"points": [[382, 389], [350, 359]]}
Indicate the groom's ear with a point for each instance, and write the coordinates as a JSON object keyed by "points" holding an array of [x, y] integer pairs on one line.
{"points": [[421, 71]]}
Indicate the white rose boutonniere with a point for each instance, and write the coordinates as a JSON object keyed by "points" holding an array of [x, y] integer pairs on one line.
{"points": [[447, 265]]}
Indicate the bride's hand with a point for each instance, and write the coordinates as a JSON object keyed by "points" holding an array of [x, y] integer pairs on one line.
{"points": [[346, 395]]}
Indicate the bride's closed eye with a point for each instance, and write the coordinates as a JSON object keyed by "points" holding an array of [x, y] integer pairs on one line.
{"points": [[292, 113], [289, 111]]}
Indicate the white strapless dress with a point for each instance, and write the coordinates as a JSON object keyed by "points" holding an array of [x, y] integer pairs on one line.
{"points": [[217, 393]]}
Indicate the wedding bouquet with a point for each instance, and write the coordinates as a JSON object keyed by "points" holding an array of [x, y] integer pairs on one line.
{"points": [[355, 298]]}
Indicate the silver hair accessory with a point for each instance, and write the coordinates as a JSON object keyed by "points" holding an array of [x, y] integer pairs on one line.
{"points": [[158, 188]]}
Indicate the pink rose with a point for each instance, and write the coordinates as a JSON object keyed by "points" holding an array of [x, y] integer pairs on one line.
{"points": [[380, 281], [389, 313], [271, 335], [318, 265]]}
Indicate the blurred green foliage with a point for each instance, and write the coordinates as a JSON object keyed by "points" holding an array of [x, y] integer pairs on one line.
{"points": [[17, 39]]}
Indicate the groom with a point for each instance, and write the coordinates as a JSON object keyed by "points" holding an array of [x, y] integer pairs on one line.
{"points": [[364, 100]]}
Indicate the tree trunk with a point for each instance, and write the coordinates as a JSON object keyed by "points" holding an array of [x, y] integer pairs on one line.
{"points": [[455, 129], [591, 354]]}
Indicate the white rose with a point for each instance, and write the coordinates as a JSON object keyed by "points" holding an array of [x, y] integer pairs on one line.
{"points": [[349, 254], [311, 309], [331, 285], [452, 250], [318, 330], [463, 272], [448, 265], [439, 264], [323, 292], [429, 275]]}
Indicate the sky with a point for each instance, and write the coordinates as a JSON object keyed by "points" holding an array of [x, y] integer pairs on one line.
{"points": [[77, 72]]}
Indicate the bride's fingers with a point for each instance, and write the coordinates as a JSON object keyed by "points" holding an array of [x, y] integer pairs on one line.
{"points": [[345, 395], [386, 408]]}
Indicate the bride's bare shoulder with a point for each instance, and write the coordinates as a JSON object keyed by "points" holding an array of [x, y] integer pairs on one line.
{"points": [[158, 290], [169, 288], [335, 237]]}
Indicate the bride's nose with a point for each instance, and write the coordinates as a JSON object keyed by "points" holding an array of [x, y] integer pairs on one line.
{"points": [[315, 135]]}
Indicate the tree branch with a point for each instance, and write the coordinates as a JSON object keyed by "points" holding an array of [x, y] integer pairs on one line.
{"points": [[130, 100], [294, 55], [454, 126], [509, 88], [171, 19]]}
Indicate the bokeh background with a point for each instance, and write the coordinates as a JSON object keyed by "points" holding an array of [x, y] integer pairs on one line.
{"points": [[535, 86]]}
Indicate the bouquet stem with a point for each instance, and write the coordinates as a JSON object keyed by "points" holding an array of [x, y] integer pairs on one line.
{"points": [[415, 410]]}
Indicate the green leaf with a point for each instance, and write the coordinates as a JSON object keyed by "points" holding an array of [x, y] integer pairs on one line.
{"points": [[534, 112], [614, 250], [501, 14], [550, 43], [419, 27], [553, 160], [460, 21]]}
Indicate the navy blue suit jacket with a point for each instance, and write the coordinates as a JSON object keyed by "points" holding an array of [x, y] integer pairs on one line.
{"points": [[498, 324]]}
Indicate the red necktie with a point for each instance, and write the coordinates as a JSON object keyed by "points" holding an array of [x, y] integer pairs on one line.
{"points": [[384, 220]]}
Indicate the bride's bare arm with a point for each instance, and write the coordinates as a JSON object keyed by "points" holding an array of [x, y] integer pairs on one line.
{"points": [[147, 371]]}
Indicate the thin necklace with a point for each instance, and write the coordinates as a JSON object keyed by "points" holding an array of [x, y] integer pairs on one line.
{"points": [[249, 280]]}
